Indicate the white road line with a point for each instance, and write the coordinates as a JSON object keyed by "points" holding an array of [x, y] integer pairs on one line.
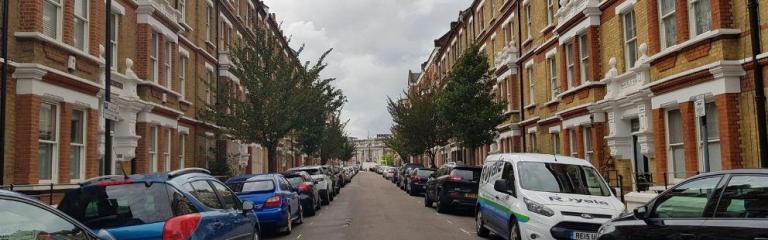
{"points": [[449, 221], [310, 223], [465, 231], [299, 237]]}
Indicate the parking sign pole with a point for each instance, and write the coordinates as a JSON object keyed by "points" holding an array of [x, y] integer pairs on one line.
{"points": [[108, 88]]}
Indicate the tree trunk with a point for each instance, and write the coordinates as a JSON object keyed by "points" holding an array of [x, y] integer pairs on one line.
{"points": [[272, 158], [431, 159]]}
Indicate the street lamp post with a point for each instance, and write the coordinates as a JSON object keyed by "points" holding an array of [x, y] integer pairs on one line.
{"points": [[107, 87], [4, 87]]}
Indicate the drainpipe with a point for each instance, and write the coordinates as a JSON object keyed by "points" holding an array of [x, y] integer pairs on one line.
{"points": [[762, 135], [4, 91], [520, 71]]}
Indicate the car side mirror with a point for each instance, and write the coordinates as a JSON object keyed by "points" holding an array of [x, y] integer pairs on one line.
{"points": [[500, 186], [641, 212], [247, 206]]}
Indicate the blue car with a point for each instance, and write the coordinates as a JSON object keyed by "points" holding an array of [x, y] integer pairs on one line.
{"points": [[22, 217], [183, 204], [276, 202]]}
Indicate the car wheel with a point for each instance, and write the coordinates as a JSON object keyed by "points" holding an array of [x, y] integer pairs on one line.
{"points": [[255, 234], [514, 232], [411, 191], [480, 226], [289, 224], [311, 210], [331, 197], [300, 219], [442, 206], [427, 201], [326, 198]]}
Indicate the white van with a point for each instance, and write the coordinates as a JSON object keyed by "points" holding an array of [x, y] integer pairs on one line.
{"points": [[539, 196]]}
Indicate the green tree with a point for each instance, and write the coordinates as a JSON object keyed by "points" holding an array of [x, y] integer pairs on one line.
{"points": [[347, 150], [466, 102], [399, 144], [387, 159], [333, 140], [418, 121], [277, 93]]}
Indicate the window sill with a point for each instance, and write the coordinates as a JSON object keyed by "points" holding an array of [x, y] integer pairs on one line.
{"points": [[547, 29], [580, 87], [552, 102], [156, 85], [184, 101], [690, 42], [527, 41], [529, 106], [186, 26], [210, 44], [43, 38]]}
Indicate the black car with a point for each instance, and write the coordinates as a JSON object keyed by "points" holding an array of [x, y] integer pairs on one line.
{"points": [[308, 195], [416, 181], [729, 204], [403, 171], [453, 186]]}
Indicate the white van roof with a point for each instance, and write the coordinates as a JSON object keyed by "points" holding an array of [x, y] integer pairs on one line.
{"points": [[537, 157]]}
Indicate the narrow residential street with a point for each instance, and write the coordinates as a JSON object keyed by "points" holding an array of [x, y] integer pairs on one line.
{"points": [[373, 208]]}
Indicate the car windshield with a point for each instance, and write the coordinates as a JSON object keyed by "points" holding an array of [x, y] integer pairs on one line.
{"points": [[123, 205], [310, 171], [253, 186], [561, 178], [424, 173], [473, 174], [295, 180]]}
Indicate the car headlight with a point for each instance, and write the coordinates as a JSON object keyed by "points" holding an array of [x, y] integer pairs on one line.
{"points": [[605, 229], [538, 208]]}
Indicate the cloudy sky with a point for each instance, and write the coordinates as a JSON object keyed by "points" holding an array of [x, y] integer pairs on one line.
{"points": [[375, 43]]}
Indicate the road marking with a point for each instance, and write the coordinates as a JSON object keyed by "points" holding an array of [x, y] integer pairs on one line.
{"points": [[449, 221], [310, 223], [299, 237], [465, 231]]}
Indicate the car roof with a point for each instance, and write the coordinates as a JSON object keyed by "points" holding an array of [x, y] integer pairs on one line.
{"points": [[737, 171], [6, 193], [537, 157], [254, 177], [305, 168]]}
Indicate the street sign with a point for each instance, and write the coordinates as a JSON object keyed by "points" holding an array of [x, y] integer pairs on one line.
{"points": [[700, 106], [111, 111]]}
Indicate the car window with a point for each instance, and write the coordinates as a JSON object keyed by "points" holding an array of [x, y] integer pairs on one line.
{"points": [[228, 198], [295, 180], [204, 193], [688, 200], [284, 185], [121, 205], [744, 197], [23, 221], [180, 205], [561, 178], [425, 173], [468, 174]]}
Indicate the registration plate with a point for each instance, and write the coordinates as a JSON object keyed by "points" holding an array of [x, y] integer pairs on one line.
{"points": [[471, 195], [584, 236]]}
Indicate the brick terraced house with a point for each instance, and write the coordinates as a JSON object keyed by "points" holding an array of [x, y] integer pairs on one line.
{"points": [[615, 82], [167, 57]]}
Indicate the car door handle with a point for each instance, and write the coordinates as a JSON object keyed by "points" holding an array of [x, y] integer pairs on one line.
{"points": [[217, 224]]}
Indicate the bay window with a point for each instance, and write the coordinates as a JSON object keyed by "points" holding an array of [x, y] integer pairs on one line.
{"points": [[114, 37], [555, 89], [584, 55], [47, 164], [531, 85], [167, 153], [700, 14], [712, 138], [153, 149], [572, 143], [587, 131], [668, 23], [528, 21], [182, 75], [77, 146], [550, 12], [168, 65], [532, 144], [182, 149], [81, 24], [556, 143], [153, 50], [569, 64], [208, 23]]}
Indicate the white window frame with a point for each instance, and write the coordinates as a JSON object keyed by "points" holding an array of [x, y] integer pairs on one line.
{"points": [[570, 64], [670, 153], [116, 40], [183, 75], [553, 81], [692, 17], [586, 132], [528, 21], [550, 12], [86, 24], [556, 142], [583, 42], [59, 17], [182, 149], [710, 139], [154, 50], [153, 164], [80, 146], [54, 144], [167, 153], [531, 85], [630, 44], [169, 65], [572, 143], [182, 5], [662, 27], [533, 142]]}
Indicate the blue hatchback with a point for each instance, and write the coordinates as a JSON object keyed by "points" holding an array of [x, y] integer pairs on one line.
{"points": [[276, 202], [183, 204]]}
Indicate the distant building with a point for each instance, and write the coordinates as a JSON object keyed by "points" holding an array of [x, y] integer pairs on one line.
{"points": [[372, 149]]}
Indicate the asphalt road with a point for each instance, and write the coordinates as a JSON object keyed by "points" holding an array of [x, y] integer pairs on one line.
{"points": [[373, 208]]}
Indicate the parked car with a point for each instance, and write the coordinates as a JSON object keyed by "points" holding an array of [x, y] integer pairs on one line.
{"points": [[333, 172], [276, 203], [416, 182], [22, 217], [730, 204], [308, 193], [452, 186], [556, 197], [403, 173], [182, 204], [396, 174], [324, 182]]}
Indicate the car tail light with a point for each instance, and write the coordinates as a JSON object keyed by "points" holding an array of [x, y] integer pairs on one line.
{"points": [[305, 187], [453, 194], [113, 183], [455, 178], [415, 178], [274, 202], [181, 227]]}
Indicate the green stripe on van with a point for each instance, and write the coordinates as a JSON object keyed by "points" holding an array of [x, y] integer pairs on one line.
{"points": [[504, 209]]}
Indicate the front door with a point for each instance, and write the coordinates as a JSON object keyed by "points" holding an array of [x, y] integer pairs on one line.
{"points": [[642, 170]]}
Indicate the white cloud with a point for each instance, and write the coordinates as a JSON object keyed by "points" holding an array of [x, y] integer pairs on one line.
{"points": [[375, 43]]}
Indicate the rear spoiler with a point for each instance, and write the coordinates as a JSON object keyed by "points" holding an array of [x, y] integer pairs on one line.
{"points": [[180, 172]]}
